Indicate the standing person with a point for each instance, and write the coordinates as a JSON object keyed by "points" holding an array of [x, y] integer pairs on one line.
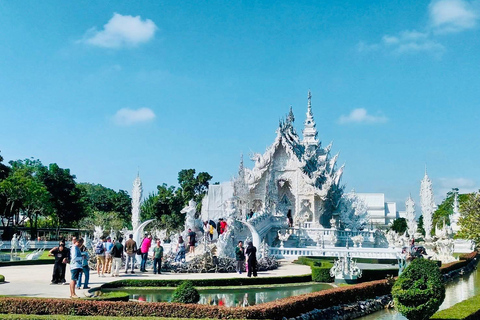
{"points": [[75, 265], [191, 241], [100, 252], [108, 255], [146, 244], [223, 226], [130, 250], [251, 253], [250, 215], [61, 256], [240, 257], [180, 250], [289, 218], [117, 254], [85, 268], [157, 258]]}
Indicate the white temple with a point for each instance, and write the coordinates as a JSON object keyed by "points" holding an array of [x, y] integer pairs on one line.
{"points": [[298, 178]]}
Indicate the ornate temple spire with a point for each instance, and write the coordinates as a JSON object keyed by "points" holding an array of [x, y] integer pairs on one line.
{"points": [[310, 131], [136, 201], [410, 217], [427, 203]]}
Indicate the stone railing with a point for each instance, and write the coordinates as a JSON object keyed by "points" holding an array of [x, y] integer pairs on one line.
{"points": [[373, 253]]}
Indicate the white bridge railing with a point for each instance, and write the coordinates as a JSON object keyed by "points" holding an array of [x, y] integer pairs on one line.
{"points": [[372, 253]]}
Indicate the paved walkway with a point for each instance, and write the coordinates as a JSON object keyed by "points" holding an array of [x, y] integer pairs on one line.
{"points": [[34, 281]]}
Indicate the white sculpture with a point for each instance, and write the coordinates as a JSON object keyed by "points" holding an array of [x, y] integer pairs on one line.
{"points": [[456, 213], [35, 255], [136, 201], [14, 245], [357, 241], [410, 217], [353, 211], [190, 211], [97, 233], [427, 203], [24, 243], [345, 268], [283, 237]]}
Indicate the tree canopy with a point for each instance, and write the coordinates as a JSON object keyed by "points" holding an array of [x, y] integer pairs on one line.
{"points": [[166, 204], [470, 218]]}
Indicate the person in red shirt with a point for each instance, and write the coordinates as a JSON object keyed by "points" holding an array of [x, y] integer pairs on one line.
{"points": [[223, 226]]}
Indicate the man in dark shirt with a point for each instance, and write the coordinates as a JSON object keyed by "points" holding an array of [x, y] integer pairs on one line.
{"points": [[61, 256], [191, 240]]}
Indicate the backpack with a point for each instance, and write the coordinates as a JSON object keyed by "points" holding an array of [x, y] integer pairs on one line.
{"points": [[99, 249]]}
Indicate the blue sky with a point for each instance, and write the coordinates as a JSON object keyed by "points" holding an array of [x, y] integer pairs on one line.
{"points": [[106, 87]]}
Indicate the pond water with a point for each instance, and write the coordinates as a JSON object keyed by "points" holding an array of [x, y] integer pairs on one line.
{"points": [[456, 291], [231, 297]]}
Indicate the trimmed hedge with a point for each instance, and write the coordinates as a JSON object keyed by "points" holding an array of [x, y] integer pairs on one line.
{"points": [[2, 278], [419, 290], [26, 262], [322, 274], [186, 293], [464, 260], [377, 274], [208, 282], [287, 307], [466, 310]]}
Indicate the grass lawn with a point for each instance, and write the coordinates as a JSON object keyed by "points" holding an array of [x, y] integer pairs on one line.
{"points": [[461, 310]]}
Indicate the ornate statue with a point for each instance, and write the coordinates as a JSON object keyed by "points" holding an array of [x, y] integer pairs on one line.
{"points": [[14, 244], [190, 211], [283, 237], [427, 202]]}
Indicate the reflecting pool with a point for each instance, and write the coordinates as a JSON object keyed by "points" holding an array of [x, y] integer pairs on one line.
{"points": [[237, 296]]}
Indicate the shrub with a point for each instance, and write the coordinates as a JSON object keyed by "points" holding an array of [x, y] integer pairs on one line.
{"points": [[186, 293], [2, 278], [419, 290], [321, 274]]}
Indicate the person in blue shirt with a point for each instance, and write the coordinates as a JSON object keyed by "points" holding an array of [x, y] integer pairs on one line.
{"points": [[108, 255], [85, 269], [76, 265]]}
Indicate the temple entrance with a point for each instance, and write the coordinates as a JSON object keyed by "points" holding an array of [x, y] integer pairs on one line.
{"points": [[286, 197]]}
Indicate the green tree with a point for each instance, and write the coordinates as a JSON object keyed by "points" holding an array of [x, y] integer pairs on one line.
{"points": [[470, 218], [399, 225], [67, 199], [25, 193], [193, 187], [107, 220], [102, 199], [419, 290], [4, 169], [445, 209]]}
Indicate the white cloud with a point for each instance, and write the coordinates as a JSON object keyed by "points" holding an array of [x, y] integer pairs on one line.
{"points": [[128, 117], [452, 15], [121, 31], [361, 115], [405, 42]]}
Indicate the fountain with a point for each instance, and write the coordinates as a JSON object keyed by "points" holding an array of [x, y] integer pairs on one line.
{"points": [[345, 269]]}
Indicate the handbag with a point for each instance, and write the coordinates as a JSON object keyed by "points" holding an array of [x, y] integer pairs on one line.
{"points": [[139, 251]]}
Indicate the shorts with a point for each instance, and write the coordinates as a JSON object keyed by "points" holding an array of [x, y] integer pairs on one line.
{"points": [[75, 273], [191, 244], [101, 259]]}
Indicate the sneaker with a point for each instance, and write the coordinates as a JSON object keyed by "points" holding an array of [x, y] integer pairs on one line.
{"points": [[78, 288], [133, 272], [86, 288], [53, 282]]}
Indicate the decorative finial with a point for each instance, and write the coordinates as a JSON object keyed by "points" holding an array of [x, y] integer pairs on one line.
{"points": [[309, 99], [425, 169]]}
